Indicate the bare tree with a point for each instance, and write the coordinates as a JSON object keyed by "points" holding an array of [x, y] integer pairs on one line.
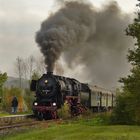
{"points": [[40, 66], [19, 69], [25, 69], [31, 66]]}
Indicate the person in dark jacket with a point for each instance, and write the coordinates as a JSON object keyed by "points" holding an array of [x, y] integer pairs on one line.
{"points": [[14, 104]]}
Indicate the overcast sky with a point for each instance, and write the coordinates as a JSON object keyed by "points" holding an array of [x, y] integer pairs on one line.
{"points": [[20, 19]]}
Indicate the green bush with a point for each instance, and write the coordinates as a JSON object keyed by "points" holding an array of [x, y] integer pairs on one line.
{"points": [[123, 112], [64, 112]]}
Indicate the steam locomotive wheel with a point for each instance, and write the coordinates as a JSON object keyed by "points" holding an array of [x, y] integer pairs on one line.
{"points": [[54, 115], [40, 116], [47, 116], [35, 113]]}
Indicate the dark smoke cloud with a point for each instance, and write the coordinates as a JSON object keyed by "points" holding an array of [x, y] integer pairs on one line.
{"points": [[66, 29], [84, 36]]}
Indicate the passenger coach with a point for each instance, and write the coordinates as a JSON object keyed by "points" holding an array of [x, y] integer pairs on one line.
{"points": [[101, 99]]}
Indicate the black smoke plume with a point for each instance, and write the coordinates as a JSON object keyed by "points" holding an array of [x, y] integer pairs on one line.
{"points": [[86, 36]]}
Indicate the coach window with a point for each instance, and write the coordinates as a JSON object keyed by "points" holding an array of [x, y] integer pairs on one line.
{"points": [[99, 95], [105, 96], [75, 87], [96, 96]]}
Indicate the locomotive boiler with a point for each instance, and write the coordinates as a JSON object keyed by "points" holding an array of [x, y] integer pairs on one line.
{"points": [[52, 91]]}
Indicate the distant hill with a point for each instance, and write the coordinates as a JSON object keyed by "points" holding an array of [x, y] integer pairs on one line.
{"points": [[14, 82]]}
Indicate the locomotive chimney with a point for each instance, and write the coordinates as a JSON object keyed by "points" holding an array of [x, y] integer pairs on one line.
{"points": [[49, 73]]}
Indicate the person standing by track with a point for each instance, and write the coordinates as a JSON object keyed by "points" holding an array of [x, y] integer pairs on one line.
{"points": [[14, 105]]}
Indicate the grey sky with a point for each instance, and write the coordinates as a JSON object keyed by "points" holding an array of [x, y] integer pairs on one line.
{"points": [[20, 19]]}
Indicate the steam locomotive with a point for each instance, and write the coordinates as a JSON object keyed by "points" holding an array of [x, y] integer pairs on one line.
{"points": [[52, 91]]}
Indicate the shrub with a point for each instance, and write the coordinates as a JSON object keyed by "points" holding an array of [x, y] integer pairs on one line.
{"points": [[64, 112], [123, 112]]}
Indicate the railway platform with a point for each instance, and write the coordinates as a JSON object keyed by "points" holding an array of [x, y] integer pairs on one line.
{"points": [[14, 118]]}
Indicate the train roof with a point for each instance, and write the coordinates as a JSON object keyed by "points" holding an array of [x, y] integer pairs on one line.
{"points": [[100, 89]]}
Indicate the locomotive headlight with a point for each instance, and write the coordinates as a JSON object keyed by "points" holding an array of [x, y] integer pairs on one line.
{"points": [[54, 104], [36, 103]]}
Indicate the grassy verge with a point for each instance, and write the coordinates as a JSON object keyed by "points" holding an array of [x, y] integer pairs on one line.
{"points": [[78, 131]]}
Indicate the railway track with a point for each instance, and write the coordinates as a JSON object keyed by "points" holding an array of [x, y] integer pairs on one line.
{"points": [[14, 119], [16, 123], [24, 124]]}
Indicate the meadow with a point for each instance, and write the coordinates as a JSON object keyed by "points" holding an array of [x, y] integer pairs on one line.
{"points": [[85, 130]]}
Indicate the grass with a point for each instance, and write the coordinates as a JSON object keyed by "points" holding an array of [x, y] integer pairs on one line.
{"points": [[78, 131]]}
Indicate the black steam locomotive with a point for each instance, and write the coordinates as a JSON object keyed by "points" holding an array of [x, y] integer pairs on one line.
{"points": [[52, 91]]}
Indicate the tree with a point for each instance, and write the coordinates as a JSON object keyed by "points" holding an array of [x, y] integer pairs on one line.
{"points": [[19, 69], [26, 68], [128, 102], [40, 65], [3, 78], [31, 65]]}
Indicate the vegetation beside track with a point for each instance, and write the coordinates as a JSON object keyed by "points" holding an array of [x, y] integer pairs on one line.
{"points": [[77, 130]]}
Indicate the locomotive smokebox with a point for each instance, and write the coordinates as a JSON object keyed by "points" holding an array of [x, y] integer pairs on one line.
{"points": [[49, 73]]}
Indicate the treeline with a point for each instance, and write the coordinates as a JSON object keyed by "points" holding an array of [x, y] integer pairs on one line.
{"points": [[127, 110]]}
